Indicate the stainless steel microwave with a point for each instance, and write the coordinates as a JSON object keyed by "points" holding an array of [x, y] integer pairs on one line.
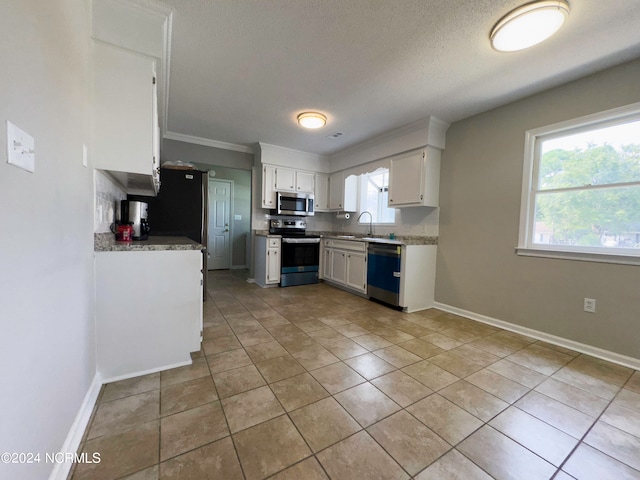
{"points": [[290, 203]]}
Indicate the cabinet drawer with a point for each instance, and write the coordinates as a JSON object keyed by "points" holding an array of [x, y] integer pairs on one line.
{"points": [[351, 245], [274, 242]]}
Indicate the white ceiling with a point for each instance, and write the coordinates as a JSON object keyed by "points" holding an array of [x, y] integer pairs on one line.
{"points": [[241, 70]]}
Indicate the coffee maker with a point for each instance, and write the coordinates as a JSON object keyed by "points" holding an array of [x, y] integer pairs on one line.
{"points": [[135, 214]]}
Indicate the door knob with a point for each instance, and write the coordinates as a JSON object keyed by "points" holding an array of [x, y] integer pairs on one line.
{"points": [[226, 229]]}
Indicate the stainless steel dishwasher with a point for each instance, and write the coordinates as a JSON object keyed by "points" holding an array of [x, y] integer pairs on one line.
{"points": [[383, 273]]}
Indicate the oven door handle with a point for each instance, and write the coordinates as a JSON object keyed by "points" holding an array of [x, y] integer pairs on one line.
{"points": [[300, 240]]}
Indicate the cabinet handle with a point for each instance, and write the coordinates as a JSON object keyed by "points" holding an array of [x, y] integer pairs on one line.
{"points": [[391, 200]]}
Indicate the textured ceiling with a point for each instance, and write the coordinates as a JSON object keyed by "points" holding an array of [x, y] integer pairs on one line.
{"points": [[241, 70]]}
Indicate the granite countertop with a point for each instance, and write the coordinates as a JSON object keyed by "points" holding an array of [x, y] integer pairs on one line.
{"points": [[105, 242], [399, 240]]}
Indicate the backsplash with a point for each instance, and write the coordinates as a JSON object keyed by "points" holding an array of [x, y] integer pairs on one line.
{"points": [[108, 196], [417, 221]]}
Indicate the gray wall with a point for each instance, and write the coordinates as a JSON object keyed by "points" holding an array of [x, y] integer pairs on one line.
{"points": [[229, 165], [47, 339], [241, 206], [191, 152], [480, 189]]}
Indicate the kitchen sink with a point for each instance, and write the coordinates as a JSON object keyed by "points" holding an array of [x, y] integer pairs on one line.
{"points": [[346, 236], [382, 240]]}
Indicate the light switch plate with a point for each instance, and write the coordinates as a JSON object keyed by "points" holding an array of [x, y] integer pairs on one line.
{"points": [[20, 148], [237, 217]]}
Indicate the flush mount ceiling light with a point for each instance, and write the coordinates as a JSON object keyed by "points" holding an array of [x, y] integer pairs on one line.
{"points": [[312, 120], [528, 25]]}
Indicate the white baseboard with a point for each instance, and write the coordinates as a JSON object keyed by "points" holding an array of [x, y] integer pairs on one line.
{"points": [[146, 372], [74, 437], [546, 337]]}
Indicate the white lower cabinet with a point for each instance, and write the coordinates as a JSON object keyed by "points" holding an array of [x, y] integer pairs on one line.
{"points": [[148, 310], [418, 277], [356, 274], [267, 260], [345, 263]]}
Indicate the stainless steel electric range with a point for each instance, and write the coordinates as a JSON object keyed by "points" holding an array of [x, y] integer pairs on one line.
{"points": [[300, 257]]}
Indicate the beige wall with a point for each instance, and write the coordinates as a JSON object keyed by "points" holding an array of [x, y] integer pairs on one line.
{"points": [[478, 269]]}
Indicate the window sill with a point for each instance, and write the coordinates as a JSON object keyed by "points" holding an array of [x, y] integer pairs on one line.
{"points": [[579, 256]]}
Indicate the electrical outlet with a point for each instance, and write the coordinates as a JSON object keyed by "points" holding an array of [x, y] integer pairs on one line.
{"points": [[590, 305]]}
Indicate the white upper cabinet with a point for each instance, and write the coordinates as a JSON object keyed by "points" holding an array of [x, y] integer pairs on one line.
{"points": [[280, 179], [414, 179], [290, 180], [268, 186], [285, 179], [343, 192], [305, 182], [321, 192], [125, 135]]}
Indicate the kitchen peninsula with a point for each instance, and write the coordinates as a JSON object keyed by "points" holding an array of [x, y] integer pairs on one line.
{"points": [[148, 304]]}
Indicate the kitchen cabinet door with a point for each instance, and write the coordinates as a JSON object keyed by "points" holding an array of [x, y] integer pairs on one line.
{"points": [[125, 118], [285, 180], [336, 191], [321, 192], [305, 182], [267, 260], [356, 271], [268, 186], [273, 265], [339, 266], [343, 192], [326, 271], [414, 179]]}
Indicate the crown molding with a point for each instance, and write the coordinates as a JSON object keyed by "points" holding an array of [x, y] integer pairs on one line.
{"points": [[207, 142], [269, 146]]}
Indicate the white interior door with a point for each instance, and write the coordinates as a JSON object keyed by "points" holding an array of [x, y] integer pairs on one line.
{"points": [[219, 226]]}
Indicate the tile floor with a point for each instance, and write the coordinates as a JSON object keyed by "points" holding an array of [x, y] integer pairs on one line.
{"points": [[312, 383]]}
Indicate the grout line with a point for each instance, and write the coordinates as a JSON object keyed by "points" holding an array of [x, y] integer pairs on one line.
{"points": [[241, 292]]}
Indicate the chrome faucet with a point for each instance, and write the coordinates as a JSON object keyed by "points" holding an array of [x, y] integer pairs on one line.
{"points": [[370, 232]]}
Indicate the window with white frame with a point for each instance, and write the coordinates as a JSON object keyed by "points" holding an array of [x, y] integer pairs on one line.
{"points": [[581, 187], [374, 196]]}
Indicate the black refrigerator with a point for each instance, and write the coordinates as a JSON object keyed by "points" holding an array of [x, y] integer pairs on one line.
{"points": [[180, 209]]}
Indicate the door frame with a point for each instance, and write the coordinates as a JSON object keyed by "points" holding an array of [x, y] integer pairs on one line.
{"points": [[231, 187]]}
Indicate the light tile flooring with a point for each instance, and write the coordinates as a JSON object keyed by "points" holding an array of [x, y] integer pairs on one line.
{"points": [[312, 383]]}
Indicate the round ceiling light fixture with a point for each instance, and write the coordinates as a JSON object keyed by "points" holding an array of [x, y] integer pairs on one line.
{"points": [[529, 25], [312, 120]]}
